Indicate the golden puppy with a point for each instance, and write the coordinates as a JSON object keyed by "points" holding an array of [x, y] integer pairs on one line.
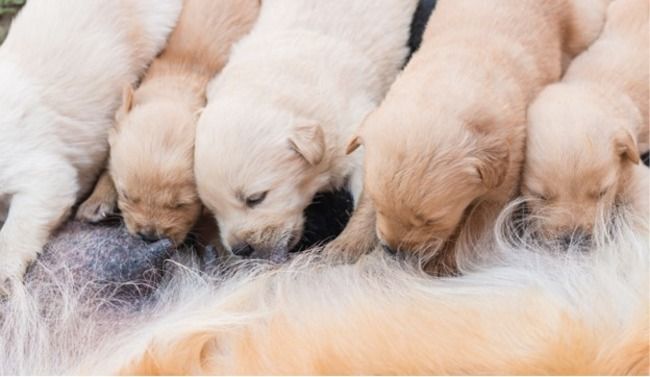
{"points": [[582, 158], [152, 144], [444, 150]]}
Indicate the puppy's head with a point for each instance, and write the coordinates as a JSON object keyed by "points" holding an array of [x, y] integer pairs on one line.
{"points": [[580, 152], [257, 170], [151, 158], [423, 182]]}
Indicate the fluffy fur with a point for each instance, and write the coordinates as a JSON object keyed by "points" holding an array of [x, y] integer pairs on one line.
{"points": [[530, 309], [585, 132], [61, 69], [445, 148], [152, 144], [274, 131]]}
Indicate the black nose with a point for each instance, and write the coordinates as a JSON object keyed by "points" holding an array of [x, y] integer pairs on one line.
{"points": [[388, 249], [148, 236], [243, 250]]}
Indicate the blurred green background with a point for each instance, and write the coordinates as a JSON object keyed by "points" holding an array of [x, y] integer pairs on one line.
{"points": [[8, 8]]}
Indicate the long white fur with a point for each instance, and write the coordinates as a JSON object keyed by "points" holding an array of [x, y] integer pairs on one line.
{"points": [[378, 316], [62, 68]]}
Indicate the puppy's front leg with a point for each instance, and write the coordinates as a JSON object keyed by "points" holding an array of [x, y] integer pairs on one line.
{"points": [[34, 212], [359, 235], [101, 203]]}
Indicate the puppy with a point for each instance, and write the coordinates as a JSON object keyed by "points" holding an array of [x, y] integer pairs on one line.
{"points": [[61, 70], [586, 131], [152, 144], [277, 121], [444, 150]]}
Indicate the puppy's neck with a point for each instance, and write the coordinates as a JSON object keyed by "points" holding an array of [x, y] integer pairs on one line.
{"points": [[182, 85]]}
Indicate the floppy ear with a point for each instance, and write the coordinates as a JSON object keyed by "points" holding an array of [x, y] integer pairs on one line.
{"points": [[493, 162], [308, 140], [625, 146], [353, 144], [127, 104]]}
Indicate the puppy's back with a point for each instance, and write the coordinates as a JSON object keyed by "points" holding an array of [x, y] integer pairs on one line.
{"points": [[82, 51], [206, 31], [379, 28], [618, 61]]}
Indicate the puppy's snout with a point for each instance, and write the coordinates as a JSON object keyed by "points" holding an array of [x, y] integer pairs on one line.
{"points": [[148, 235], [243, 250]]}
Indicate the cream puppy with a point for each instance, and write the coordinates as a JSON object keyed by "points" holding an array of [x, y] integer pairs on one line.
{"points": [[444, 150], [152, 144], [61, 69], [586, 131], [278, 118]]}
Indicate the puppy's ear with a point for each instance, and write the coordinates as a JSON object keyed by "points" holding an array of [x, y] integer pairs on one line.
{"points": [[127, 104], [625, 146], [354, 143], [308, 140], [493, 162]]}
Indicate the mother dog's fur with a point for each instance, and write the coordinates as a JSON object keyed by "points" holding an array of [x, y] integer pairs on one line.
{"points": [[61, 71], [531, 309]]}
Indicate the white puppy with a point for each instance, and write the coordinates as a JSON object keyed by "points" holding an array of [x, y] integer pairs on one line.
{"points": [[62, 68], [278, 118]]}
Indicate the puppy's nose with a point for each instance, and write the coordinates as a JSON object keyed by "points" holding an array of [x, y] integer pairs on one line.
{"points": [[243, 250], [148, 235], [388, 249]]}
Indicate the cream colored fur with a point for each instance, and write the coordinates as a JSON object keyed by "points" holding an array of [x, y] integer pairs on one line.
{"points": [[529, 309], [585, 133], [445, 148], [61, 69], [278, 118], [152, 143]]}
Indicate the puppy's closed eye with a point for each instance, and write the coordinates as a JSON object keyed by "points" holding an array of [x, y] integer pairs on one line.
{"points": [[600, 194], [538, 195], [255, 199]]}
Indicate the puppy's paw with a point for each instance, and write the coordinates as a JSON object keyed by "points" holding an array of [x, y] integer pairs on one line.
{"points": [[11, 274], [347, 248], [95, 210]]}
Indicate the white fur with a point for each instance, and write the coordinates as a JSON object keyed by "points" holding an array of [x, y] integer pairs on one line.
{"points": [[306, 65], [62, 68]]}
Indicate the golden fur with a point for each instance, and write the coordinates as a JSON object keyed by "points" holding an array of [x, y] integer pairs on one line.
{"points": [[152, 145], [586, 131], [444, 150], [526, 311]]}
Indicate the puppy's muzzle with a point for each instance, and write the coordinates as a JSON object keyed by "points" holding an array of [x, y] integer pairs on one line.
{"points": [[388, 249], [243, 250]]}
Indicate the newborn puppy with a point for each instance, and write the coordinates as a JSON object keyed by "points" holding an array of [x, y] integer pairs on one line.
{"points": [[152, 144], [278, 118], [61, 69], [586, 131], [444, 150]]}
